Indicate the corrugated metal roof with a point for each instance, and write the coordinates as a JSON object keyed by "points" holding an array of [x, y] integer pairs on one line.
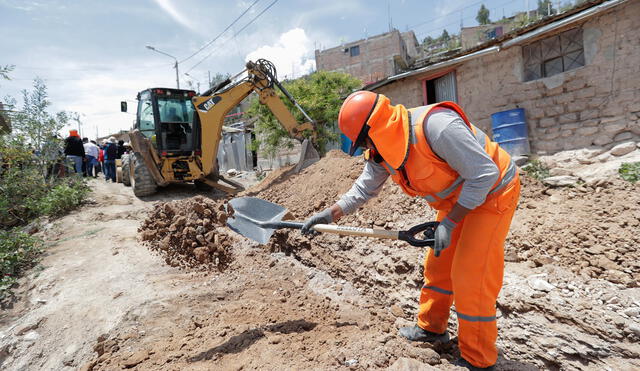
{"points": [[515, 37]]}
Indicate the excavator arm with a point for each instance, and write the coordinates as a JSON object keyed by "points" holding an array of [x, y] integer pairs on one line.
{"points": [[215, 104]]}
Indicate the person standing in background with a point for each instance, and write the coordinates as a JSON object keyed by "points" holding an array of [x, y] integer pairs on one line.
{"points": [[74, 150], [91, 156], [110, 154]]}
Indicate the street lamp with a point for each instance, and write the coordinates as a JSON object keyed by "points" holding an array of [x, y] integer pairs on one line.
{"points": [[168, 55]]}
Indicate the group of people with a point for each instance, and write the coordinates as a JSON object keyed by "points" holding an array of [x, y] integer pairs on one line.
{"points": [[89, 158]]}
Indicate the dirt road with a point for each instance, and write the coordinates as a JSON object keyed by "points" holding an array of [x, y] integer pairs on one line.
{"points": [[102, 301]]}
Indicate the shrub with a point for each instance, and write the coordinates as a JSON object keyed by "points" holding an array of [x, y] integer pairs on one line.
{"points": [[18, 251], [536, 169], [63, 197], [630, 171]]}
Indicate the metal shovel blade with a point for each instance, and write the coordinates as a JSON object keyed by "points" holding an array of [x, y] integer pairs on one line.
{"points": [[254, 218]]}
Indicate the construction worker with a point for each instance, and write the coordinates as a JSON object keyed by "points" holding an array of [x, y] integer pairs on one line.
{"points": [[435, 153]]}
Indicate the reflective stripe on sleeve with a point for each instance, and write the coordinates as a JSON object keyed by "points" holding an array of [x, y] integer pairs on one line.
{"points": [[475, 318], [508, 177], [437, 289]]}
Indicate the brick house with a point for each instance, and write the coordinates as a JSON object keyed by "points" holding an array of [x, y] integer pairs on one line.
{"points": [[576, 74], [373, 58]]}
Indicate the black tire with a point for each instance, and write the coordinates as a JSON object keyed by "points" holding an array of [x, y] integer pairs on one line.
{"points": [[126, 177], [140, 177]]}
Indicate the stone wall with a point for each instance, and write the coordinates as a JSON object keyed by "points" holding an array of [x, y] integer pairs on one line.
{"points": [[594, 105]]}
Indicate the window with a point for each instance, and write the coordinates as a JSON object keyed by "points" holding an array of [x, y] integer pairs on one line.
{"points": [[146, 125], [553, 55], [354, 50]]}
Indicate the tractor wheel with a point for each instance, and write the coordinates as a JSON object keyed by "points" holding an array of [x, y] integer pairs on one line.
{"points": [[141, 180], [126, 176]]}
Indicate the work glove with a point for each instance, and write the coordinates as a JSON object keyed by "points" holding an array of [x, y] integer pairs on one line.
{"points": [[323, 217], [443, 235]]}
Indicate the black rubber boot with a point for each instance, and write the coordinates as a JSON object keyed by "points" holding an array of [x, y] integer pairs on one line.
{"points": [[416, 333], [464, 363]]}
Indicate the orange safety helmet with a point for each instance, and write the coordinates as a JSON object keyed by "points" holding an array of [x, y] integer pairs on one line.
{"points": [[354, 114]]}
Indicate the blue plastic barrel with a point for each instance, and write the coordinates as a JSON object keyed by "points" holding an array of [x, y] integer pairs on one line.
{"points": [[510, 131], [346, 145]]}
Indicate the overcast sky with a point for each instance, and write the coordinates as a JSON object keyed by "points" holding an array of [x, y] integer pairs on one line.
{"points": [[92, 53]]}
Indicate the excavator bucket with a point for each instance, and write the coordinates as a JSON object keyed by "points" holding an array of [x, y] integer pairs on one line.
{"points": [[308, 156]]}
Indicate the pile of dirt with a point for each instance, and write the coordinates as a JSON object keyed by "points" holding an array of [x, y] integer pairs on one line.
{"points": [[189, 233], [591, 230]]}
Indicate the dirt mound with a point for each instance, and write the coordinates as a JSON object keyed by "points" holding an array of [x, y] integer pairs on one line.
{"points": [[189, 233], [589, 230]]}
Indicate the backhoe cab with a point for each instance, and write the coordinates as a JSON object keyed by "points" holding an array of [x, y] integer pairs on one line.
{"points": [[177, 133]]}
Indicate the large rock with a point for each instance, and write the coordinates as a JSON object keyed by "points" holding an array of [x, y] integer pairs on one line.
{"points": [[560, 180], [409, 364], [556, 171], [623, 148]]}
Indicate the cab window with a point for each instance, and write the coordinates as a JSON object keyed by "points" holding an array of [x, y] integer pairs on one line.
{"points": [[145, 113]]}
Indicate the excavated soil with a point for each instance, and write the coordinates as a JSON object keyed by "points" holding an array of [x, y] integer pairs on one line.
{"points": [[189, 233], [591, 231], [570, 298]]}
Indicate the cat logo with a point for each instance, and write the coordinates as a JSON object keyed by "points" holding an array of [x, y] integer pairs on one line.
{"points": [[209, 103]]}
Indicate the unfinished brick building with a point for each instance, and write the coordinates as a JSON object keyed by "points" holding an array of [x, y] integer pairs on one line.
{"points": [[576, 75], [371, 59]]}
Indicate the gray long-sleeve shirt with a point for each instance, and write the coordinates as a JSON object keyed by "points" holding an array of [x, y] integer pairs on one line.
{"points": [[450, 139]]}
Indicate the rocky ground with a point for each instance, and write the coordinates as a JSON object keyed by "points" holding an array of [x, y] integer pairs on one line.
{"points": [[570, 298]]}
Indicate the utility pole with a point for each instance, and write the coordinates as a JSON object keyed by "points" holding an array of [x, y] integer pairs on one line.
{"points": [[168, 55], [389, 15]]}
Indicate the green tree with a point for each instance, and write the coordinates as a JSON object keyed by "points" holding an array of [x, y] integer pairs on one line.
{"points": [[445, 36], [320, 94], [35, 127], [545, 8], [428, 40], [483, 15], [218, 78]]}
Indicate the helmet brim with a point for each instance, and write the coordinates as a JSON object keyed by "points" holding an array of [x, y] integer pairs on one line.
{"points": [[360, 141]]}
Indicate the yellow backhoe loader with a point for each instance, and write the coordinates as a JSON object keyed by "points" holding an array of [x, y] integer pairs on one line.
{"points": [[176, 135]]}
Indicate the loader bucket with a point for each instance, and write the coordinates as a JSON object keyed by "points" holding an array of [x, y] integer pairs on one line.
{"points": [[308, 156]]}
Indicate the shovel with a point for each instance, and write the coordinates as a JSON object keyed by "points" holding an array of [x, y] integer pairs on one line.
{"points": [[257, 219]]}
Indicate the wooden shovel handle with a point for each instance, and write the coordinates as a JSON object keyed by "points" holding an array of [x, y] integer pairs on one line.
{"points": [[356, 231], [425, 230]]}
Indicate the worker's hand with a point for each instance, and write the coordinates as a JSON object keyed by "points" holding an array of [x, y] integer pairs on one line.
{"points": [[323, 217], [443, 235]]}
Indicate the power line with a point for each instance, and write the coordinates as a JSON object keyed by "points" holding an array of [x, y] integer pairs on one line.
{"points": [[221, 33], [446, 14], [235, 34]]}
